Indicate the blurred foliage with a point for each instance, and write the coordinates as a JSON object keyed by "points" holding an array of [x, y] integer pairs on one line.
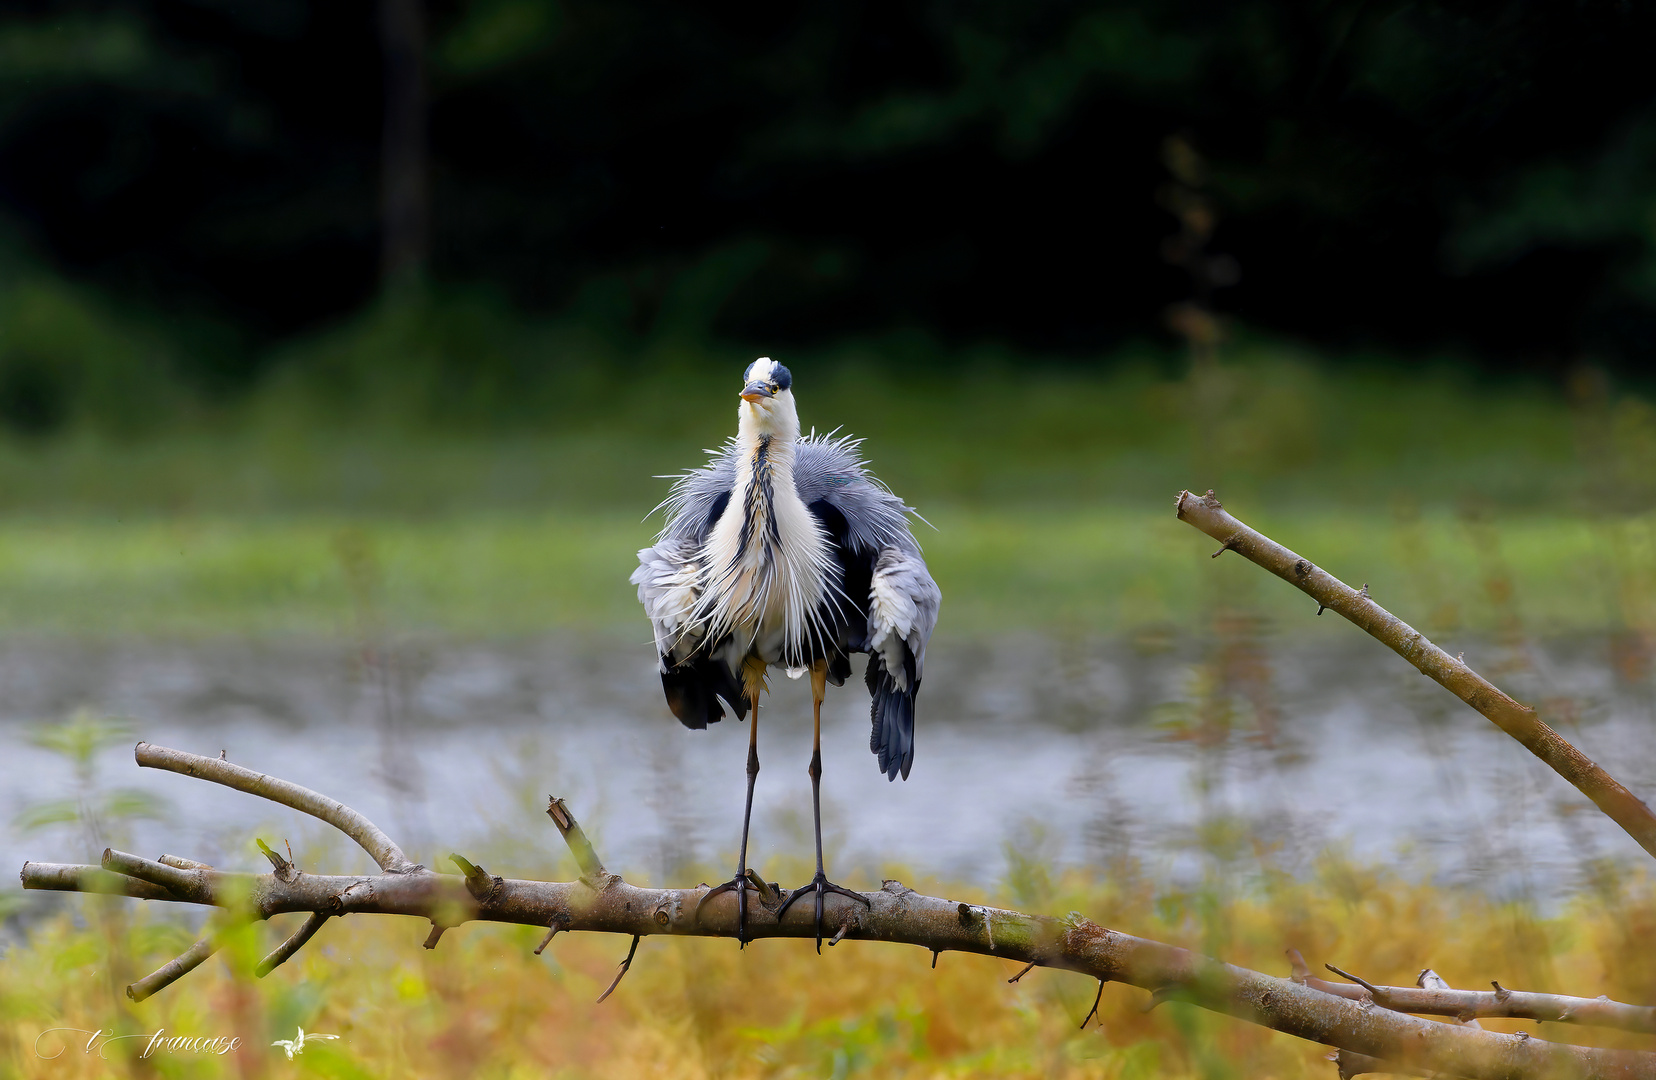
{"points": [[482, 1004], [97, 812], [1412, 174]]}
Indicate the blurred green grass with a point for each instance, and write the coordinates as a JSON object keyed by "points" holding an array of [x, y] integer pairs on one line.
{"points": [[497, 474], [1086, 570]]}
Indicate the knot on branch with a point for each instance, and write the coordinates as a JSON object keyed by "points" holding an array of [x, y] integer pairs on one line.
{"points": [[479, 882]]}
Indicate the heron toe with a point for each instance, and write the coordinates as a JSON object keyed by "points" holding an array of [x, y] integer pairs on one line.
{"points": [[744, 882], [819, 887]]}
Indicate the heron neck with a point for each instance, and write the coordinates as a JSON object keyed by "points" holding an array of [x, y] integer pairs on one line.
{"points": [[769, 435]]}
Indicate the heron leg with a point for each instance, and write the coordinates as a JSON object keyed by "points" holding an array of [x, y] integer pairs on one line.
{"points": [[819, 886], [753, 673]]}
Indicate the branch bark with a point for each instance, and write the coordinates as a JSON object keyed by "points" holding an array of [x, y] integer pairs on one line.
{"points": [[606, 903], [1471, 1005], [1519, 721]]}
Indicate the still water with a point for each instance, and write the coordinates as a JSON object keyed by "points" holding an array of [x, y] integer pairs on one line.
{"points": [[1187, 754]]}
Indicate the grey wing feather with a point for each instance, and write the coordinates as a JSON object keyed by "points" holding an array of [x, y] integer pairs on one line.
{"points": [[902, 601], [902, 614], [667, 571], [832, 469]]}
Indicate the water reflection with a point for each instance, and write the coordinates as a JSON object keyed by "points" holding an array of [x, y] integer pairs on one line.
{"points": [[1194, 757]]}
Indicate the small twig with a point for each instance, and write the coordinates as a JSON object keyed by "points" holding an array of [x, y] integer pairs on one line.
{"points": [[592, 868], [551, 933], [1374, 991], [283, 866], [625, 964], [839, 935], [767, 895], [435, 936], [296, 941], [1092, 1012], [172, 970], [1026, 969], [935, 954]]}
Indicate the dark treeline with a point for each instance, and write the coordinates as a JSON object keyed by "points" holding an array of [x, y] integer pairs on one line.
{"points": [[1473, 176]]}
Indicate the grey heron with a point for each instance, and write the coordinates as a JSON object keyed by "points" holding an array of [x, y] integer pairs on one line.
{"points": [[782, 551]]}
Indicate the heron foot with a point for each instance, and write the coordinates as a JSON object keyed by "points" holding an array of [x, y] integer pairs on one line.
{"points": [[748, 879], [820, 887]]}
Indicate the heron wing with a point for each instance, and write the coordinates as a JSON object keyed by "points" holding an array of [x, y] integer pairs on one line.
{"points": [[902, 613], [887, 602], [695, 673]]}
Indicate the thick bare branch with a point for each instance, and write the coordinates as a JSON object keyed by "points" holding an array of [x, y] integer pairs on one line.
{"points": [[895, 914], [387, 854], [69, 877], [1519, 721]]}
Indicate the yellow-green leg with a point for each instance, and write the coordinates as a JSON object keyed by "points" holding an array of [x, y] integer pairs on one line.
{"points": [[819, 886], [753, 682]]}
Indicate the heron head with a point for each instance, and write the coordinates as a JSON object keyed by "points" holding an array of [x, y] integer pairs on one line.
{"points": [[765, 380]]}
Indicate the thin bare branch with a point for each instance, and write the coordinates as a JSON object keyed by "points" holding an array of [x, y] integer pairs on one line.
{"points": [[282, 953], [388, 855], [898, 914], [172, 970], [185, 884], [1519, 721], [1468, 1005]]}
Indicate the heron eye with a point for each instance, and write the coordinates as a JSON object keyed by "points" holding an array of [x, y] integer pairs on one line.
{"points": [[773, 388]]}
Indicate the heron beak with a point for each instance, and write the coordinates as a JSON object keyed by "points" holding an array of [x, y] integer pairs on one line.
{"points": [[755, 391]]}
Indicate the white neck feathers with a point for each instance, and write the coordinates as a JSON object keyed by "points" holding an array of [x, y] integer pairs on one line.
{"points": [[766, 565]]}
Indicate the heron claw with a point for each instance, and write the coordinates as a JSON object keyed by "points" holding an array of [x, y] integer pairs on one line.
{"points": [[741, 885], [820, 887]]}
